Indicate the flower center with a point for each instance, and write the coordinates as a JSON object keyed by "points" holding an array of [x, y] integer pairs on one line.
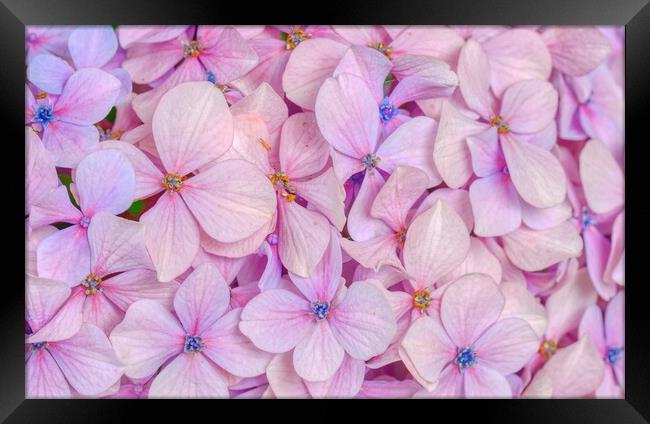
{"points": [[193, 344], [466, 358], [320, 309], [38, 346], [84, 221], [387, 111], [43, 114], [370, 161], [422, 299], [272, 239], [282, 184], [172, 182], [586, 218], [386, 50], [93, 284], [401, 235], [191, 48], [614, 354], [502, 126], [547, 349], [296, 37], [31, 37]]}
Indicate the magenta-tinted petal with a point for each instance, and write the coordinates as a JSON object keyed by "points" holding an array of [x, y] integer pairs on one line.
{"points": [[230, 57], [44, 379], [395, 199], [614, 317], [87, 97]]}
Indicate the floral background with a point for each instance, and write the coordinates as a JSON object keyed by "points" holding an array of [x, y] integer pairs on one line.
{"points": [[323, 211]]}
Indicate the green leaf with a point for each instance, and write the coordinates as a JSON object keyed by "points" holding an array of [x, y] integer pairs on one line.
{"points": [[283, 36], [136, 208], [111, 115], [66, 180]]}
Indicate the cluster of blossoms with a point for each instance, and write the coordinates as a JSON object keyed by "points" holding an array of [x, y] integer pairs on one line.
{"points": [[324, 212]]}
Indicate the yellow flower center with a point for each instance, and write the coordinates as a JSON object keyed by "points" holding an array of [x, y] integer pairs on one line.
{"points": [[191, 48], [172, 182], [386, 50], [93, 284], [296, 37], [547, 349], [281, 182], [502, 126], [422, 299], [401, 235]]}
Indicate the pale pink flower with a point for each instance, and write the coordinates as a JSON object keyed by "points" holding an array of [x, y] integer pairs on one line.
{"points": [[41, 177], [322, 320], [471, 350], [58, 362], [195, 349], [40, 39]]}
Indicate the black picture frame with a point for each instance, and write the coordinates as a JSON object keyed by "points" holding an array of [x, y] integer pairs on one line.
{"points": [[15, 14]]}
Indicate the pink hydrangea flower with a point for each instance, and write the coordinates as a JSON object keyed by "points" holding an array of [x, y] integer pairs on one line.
{"points": [[471, 350], [195, 349], [60, 363], [320, 319]]}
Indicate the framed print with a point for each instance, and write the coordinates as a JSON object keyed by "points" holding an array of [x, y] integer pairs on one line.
{"points": [[390, 202]]}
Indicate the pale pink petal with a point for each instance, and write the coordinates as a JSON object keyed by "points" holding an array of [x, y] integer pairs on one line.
{"points": [[363, 323], [411, 144], [92, 47], [116, 244], [43, 297], [87, 97], [283, 379], [576, 50], [325, 278], [388, 389], [529, 106], [375, 252], [145, 104], [361, 225], [101, 312], [487, 158], [87, 360], [64, 256], [507, 345], [192, 126], [239, 248], [231, 200], [614, 317], [428, 347], [544, 218], [484, 382], [496, 206], [41, 177], [49, 73], [474, 79], [614, 267], [69, 143], [54, 207], [148, 336], [597, 248], [130, 286], [515, 55], [469, 306], [536, 174], [303, 235], [347, 115], [105, 181], [318, 355], [227, 347], [303, 150], [131, 34], [308, 66], [276, 320], [264, 103], [478, 259], [202, 299], [520, 303], [65, 323], [438, 41], [423, 86], [326, 194], [190, 376], [456, 198], [450, 385], [44, 379], [534, 250], [567, 305], [33, 238], [360, 35], [592, 326], [171, 236], [148, 178], [436, 242], [395, 199], [230, 57], [602, 178], [450, 152], [346, 383], [148, 62], [368, 64]]}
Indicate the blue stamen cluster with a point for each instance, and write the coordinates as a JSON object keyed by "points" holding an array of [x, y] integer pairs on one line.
{"points": [[212, 78], [614, 354], [387, 111], [38, 346], [370, 161], [320, 309], [193, 344], [43, 114], [586, 218], [466, 358]]}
